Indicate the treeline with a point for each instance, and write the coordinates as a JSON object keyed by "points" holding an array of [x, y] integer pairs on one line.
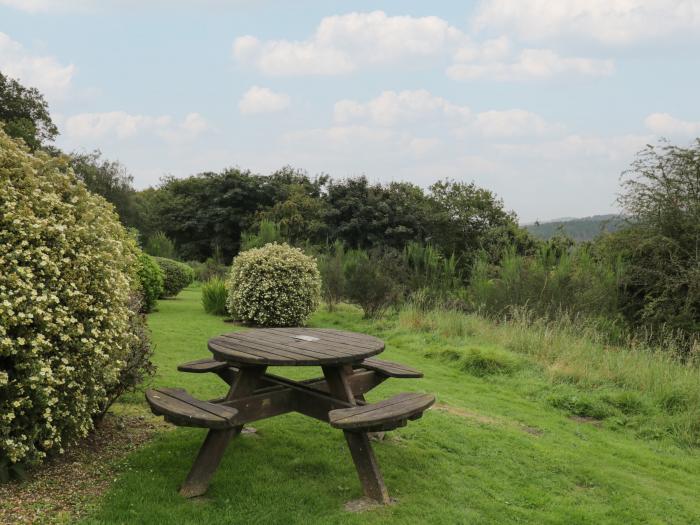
{"points": [[643, 277]]}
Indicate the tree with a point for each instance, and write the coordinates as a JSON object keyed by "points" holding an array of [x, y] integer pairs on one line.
{"points": [[661, 245], [109, 179], [213, 209], [467, 219], [25, 114]]}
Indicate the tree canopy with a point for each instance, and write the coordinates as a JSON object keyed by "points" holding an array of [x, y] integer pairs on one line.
{"points": [[25, 114]]}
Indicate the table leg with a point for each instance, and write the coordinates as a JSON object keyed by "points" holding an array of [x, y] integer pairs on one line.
{"points": [[358, 442], [214, 446]]}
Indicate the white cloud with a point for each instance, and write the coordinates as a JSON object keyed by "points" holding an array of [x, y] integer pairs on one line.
{"points": [[420, 109], [391, 108], [342, 137], [343, 43], [262, 100], [620, 148], [608, 21], [667, 125], [42, 72], [37, 6], [492, 61], [122, 125], [512, 123]]}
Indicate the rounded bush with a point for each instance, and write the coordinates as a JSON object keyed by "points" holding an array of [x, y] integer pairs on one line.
{"points": [[68, 273], [176, 276], [275, 285], [151, 280]]}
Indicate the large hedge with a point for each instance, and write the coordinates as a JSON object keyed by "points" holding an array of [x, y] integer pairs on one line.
{"points": [[151, 280], [176, 276], [66, 328], [275, 285]]}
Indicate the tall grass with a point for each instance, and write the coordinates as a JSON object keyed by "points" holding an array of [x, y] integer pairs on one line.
{"points": [[572, 351], [267, 232], [214, 295], [432, 279], [548, 284]]}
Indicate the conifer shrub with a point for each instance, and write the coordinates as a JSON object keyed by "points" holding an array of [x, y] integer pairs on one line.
{"points": [[176, 276], [275, 285], [67, 328]]}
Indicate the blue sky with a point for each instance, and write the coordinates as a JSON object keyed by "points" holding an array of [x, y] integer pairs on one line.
{"points": [[545, 103]]}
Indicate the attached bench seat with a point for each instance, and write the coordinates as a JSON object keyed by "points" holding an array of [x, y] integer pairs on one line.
{"points": [[182, 409], [384, 415], [389, 369], [201, 366]]}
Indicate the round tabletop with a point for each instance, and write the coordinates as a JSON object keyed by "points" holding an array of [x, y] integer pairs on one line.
{"points": [[294, 347]]}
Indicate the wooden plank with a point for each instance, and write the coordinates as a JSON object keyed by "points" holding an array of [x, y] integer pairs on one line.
{"points": [[361, 451], [287, 340], [242, 356], [395, 409], [346, 340], [201, 366], [214, 446], [263, 348], [367, 467], [264, 344], [182, 409], [390, 369]]}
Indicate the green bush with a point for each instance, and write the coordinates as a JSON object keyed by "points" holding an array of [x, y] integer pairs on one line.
{"points": [[176, 276], [66, 326], [549, 284], [151, 279], [203, 271], [214, 295], [372, 281], [332, 274], [275, 285]]}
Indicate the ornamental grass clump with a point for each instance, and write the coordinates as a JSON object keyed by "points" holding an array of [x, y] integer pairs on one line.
{"points": [[214, 296], [66, 327], [176, 276], [275, 285]]}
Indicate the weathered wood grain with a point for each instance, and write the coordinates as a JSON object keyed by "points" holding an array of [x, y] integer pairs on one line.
{"points": [[281, 347], [180, 408], [383, 413], [390, 369]]}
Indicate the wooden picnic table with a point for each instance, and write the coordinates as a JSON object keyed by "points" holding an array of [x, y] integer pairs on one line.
{"points": [[241, 359]]}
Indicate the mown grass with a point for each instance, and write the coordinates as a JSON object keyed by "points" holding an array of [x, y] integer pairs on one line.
{"points": [[499, 447]]}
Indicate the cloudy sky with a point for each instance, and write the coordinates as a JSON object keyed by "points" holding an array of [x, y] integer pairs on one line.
{"points": [[543, 102]]}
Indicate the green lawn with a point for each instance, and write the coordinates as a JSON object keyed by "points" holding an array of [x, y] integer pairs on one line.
{"points": [[494, 450]]}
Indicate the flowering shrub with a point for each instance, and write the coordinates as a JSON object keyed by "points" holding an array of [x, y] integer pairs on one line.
{"points": [[68, 271], [176, 276], [275, 285], [151, 280]]}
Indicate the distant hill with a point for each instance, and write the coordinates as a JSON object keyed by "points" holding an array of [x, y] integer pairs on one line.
{"points": [[582, 229]]}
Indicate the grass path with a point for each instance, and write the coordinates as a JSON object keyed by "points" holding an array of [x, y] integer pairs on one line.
{"points": [[493, 451]]}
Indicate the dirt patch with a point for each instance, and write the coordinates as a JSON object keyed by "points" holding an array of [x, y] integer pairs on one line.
{"points": [[532, 430], [488, 420], [364, 504], [468, 414], [587, 420], [66, 487]]}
